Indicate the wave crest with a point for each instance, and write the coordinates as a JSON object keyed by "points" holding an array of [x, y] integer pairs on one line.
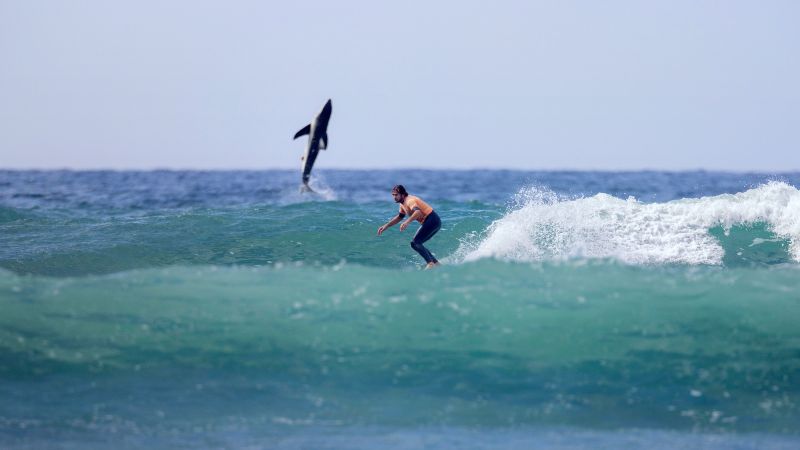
{"points": [[542, 225]]}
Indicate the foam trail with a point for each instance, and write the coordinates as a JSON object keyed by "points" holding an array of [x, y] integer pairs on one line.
{"points": [[544, 226], [321, 191]]}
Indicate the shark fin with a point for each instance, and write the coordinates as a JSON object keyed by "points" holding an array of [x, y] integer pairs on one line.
{"points": [[324, 142], [303, 131]]}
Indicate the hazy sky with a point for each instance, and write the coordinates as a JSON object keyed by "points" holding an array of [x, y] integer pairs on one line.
{"points": [[435, 84]]}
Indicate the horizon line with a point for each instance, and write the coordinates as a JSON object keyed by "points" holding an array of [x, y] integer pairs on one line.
{"points": [[381, 169]]}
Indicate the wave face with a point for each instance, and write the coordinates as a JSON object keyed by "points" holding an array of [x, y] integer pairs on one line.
{"points": [[589, 344], [191, 309]]}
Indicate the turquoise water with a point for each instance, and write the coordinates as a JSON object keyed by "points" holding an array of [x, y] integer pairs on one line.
{"points": [[186, 309]]}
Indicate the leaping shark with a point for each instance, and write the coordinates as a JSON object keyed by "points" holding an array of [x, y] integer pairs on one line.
{"points": [[317, 132]]}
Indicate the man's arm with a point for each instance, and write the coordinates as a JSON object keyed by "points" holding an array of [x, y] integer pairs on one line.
{"points": [[414, 216], [390, 223]]}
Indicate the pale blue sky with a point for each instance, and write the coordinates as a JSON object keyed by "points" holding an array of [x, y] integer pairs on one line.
{"points": [[462, 84]]}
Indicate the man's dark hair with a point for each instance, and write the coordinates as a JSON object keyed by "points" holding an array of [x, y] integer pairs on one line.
{"points": [[400, 189]]}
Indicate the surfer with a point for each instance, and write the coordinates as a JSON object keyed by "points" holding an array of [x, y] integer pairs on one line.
{"points": [[416, 209]]}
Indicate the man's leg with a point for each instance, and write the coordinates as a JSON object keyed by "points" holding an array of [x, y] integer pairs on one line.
{"points": [[431, 225], [424, 252]]}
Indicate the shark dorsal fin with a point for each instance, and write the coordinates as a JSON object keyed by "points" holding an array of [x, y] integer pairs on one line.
{"points": [[323, 142], [303, 131]]}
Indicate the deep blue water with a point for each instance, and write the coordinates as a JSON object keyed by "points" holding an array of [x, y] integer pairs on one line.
{"points": [[178, 309]]}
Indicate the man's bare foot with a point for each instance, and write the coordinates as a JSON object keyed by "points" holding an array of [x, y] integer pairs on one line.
{"points": [[431, 265]]}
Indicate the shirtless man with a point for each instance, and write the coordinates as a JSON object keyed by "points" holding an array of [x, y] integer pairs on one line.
{"points": [[416, 209]]}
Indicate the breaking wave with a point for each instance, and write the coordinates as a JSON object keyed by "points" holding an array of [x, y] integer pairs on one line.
{"points": [[755, 224]]}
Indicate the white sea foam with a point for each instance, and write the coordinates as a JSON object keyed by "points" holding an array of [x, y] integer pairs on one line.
{"points": [[320, 191], [544, 226]]}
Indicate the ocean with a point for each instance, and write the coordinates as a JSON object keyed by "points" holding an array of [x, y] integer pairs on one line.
{"points": [[190, 309]]}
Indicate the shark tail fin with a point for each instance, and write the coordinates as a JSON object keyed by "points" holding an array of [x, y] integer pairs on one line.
{"points": [[303, 131], [323, 144]]}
